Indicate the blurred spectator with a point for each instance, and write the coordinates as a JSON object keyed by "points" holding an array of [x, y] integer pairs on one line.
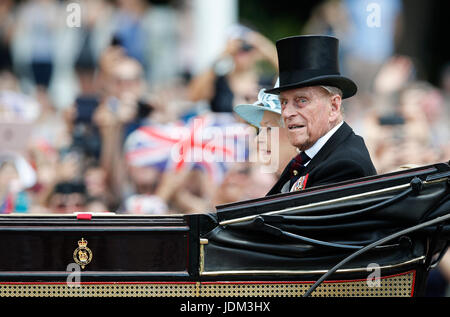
{"points": [[96, 205], [123, 86], [117, 112], [243, 181], [6, 29], [44, 160], [124, 106], [235, 184], [445, 119], [126, 58], [67, 197], [166, 192], [408, 123], [144, 181], [370, 40], [330, 18], [95, 32], [130, 33], [84, 133], [18, 114], [95, 180], [195, 194], [162, 160], [367, 30], [148, 34], [16, 176], [234, 77], [35, 29], [49, 128], [422, 97], [17, 107]]}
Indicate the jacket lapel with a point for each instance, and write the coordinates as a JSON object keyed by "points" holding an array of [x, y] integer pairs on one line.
{"points": [[281, 181], [337, 138]]}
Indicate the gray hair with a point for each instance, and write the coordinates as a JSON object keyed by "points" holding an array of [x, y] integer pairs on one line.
{"points": [[333, 90]]}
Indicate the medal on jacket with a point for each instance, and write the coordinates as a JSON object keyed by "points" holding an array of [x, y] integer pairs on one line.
{"points": [[300, 184]]}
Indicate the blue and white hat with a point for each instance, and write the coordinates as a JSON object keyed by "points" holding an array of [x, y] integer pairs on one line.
{"points": [[253, 113]]}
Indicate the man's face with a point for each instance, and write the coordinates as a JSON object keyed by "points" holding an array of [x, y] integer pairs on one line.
{"points": [[127, 78], [308, 113]]}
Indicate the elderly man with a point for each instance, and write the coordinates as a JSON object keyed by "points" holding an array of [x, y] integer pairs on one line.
{"points": [[310, 92]]}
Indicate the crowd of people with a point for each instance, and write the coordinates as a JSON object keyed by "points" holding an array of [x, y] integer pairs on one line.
{"points": [[88, 115]]}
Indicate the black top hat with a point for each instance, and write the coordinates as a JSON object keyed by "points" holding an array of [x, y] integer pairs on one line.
{"points": [[310, 60]]}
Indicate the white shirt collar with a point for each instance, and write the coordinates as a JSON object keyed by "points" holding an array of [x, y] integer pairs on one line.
{"points": [[313, 150]]}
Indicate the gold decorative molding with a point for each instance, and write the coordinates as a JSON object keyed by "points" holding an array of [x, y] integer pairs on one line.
{"points": [[98, 290], [394, 286], [401, 285]]}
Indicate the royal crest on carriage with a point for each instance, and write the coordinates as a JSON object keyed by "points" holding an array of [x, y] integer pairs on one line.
{"points": [[82, 255]]}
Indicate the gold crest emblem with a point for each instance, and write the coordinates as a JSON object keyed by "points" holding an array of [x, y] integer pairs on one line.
{"points": [[82, 255]]}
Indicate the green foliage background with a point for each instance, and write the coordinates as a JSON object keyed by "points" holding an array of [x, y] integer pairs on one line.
{"points": [[276, 18]]}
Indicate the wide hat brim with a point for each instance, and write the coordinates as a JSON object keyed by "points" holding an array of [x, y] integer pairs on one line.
{"points": [[251, 113], [345, 84]]}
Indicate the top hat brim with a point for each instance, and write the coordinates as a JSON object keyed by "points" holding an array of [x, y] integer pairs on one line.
{"points": [[345, 84]]}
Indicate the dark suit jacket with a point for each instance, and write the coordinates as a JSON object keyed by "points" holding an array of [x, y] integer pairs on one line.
{"points": [[343, 157]]}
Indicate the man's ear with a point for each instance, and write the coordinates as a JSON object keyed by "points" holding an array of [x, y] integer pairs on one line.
{"points": [[336, 103]]}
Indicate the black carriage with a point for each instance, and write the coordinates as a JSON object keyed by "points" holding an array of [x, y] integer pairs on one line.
{"points": [[375, 236]]}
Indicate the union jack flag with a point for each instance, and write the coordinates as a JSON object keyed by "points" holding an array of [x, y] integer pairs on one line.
{"points": [[209, 141]]}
